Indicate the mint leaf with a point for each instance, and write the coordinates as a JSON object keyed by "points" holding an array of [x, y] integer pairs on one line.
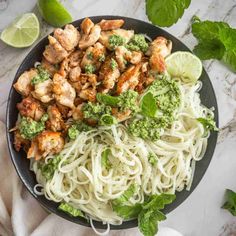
{"points": [[147, 221], [126, 195], [70, 210], [149, 105], [165, 13], [230, 203], [127, 212], [216, 40]]}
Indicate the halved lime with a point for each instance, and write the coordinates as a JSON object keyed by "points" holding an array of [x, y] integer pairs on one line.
{"points": [[54, 13], [22, 32], [184, 65]]}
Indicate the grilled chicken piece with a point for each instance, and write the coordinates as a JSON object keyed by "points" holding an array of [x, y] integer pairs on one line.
{"points": [[43, 91], [68, 37], [120, 115], [30, 107], [51, 69], [85, 86], [54, 52], [64, 68], [111, 24], [108, 75], [86, 25], [77, 113], [123, 55], [64, 93], [159, 49], [91, 38], [94, 56], [47, 142], [55, 121], [63, 110], [19, 142], [75, 58], [75, 74], [129, 79], [105, 35], [23, 84]]}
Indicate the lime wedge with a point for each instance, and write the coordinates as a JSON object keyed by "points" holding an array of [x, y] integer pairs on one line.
{"points": [[54, 13], [184, 65], [22, 32]]}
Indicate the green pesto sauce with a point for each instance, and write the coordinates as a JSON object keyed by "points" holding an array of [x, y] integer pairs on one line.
{"points": [[102, 58], [138, 43], [42, 76], [77, 128], [115, 41], [29, 128], [113, 64], [89, 69]]}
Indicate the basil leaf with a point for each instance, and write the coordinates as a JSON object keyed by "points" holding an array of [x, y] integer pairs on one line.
{"points": [[149, 105], [165, 13], [230, 203], [126, 195], [107, 99], [127, 212]]}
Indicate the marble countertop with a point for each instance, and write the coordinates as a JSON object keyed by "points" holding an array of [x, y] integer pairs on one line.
{"points": [[201, 213]]}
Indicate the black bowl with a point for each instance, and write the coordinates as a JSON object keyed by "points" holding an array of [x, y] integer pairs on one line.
{"points": [[22, 164]]}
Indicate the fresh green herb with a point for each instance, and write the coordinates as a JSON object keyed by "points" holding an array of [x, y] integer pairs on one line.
{"points": [[138, 43], [105, 158], [208, 123], [95, 110], [107, 119], [44, 118], [90, 56], [148, 213], [125, 196], [48, 169], [102, 58], [116, 40], [165, 13], [147, 128], [113, 64], [152, 158], [29, 128], [42, 76], [126, 101], [216, 40], [70, 210], [89, 69], [77, 128], [149, 105], [230, 203]]}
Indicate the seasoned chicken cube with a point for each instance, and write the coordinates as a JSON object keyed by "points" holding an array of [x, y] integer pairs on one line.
{"points": [[64, 68], [51, 69], [49, 142], [43, 91], [114, 38], [94, 55], [123, 55], [68, 37], [55, 121], [30, 107], [109, 73], [86, 25], [75, 58], [88, 94], [54, 52], [77, 112], [121, 115], [33, 151], [91, 38], [129, 79], [64, 93], [111, 24], [75, 74], [23, 84], [159, 49], [19, 142], [63, 110]]}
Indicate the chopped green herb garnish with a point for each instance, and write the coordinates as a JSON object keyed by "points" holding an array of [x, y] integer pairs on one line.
{"points": [[138, 43], [90, 56], [107, 119], [89, 69], [113, 64], [102, 58], [152, 158], [77, 128], [42, 76], [208, 123], [115, 41]]}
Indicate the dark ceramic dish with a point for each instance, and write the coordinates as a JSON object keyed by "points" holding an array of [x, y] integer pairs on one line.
{"points": [[22, 164]]}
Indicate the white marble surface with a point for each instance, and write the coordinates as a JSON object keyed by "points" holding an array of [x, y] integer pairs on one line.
{"points": [[200, 214]]}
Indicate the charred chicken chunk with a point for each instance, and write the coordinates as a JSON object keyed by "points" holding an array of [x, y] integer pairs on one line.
{"points": [[111, 24]]}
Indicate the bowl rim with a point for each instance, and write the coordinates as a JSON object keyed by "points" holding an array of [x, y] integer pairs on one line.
{"points": [[78, 220]]}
